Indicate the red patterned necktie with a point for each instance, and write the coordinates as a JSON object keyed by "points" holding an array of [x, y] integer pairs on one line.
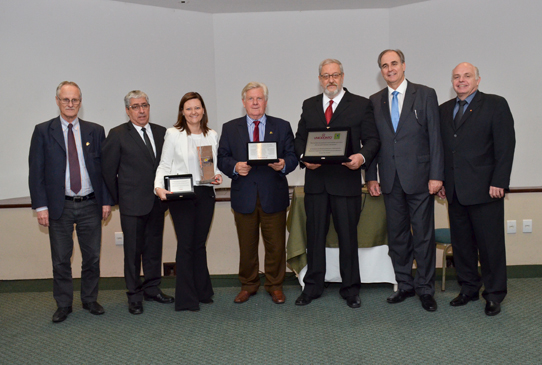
{"points": [[256, 133], [329, 111], [73, 161]]}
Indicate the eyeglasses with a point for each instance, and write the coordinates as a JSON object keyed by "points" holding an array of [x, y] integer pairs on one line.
{"points": [[66, 101], [137, 106], [334, 76]]}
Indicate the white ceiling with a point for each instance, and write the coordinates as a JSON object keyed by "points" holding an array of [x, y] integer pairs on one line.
{"points": [[252, 6]]}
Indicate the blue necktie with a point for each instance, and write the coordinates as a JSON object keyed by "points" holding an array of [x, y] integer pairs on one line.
{"points": [[395, 110]]}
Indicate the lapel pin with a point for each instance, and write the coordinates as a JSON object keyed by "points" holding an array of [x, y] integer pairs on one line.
{"points": [[270, 132], [88, 143]]}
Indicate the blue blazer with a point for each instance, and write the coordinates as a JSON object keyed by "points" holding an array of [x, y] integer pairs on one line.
{"points": [[271, 186], [47, 165]]}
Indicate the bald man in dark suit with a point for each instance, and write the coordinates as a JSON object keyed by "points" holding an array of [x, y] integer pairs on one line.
{"points": [[479, 141]]}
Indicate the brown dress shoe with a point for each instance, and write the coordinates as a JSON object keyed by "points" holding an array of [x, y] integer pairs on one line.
{"points": [[243, 296], [278, 297]]}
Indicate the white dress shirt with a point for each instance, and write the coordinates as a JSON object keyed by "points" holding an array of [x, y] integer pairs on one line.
{"points": [[400, 97]]}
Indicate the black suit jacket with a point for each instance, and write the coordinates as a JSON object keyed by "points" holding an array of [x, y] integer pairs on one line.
{"points": [[129, 169], [414, 152], [479, 154], [354, 112], [271, 186], [47, 165]]}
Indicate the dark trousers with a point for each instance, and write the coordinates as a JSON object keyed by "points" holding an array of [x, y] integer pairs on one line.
{"points": [[273, 226], [192, 221], [86, 216], [478, 234], [143, 237], [346, 211], [411, 236]]}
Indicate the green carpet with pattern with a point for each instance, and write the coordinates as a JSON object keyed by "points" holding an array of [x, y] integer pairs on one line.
{"points": [[260, 332]]}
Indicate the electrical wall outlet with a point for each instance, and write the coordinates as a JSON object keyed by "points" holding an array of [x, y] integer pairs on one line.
{"points": [[511, 226], [119, 238], [527, 226]]}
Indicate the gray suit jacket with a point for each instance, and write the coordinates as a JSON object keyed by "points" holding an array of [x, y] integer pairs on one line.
{"points": [[415, 151]]}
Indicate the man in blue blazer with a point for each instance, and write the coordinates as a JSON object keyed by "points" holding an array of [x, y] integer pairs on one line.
{"points": [[66, 188], [259, 194], [479, 142], [411, 168]]}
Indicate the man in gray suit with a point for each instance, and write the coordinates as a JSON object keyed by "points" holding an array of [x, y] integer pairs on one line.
{"points": [[411, 168], [131, 153]]}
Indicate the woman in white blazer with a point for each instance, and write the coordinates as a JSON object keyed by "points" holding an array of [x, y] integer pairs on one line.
{"points": [[191, 217]]}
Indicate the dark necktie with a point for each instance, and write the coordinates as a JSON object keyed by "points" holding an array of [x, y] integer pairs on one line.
{"points": [[148, 142], [459, 113], [256, 133], [329, 111], [73, 161]]}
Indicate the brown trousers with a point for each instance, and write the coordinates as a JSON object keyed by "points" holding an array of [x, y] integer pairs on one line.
{"points": [[273, 227]]}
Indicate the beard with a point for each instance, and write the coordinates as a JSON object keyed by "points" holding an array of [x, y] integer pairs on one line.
{"points": [[331, 94]]}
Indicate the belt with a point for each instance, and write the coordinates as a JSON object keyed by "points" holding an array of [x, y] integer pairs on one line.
{"points": [[79, 199]]}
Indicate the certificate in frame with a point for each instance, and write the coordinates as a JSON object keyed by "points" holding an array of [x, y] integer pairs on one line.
{"points": [[262, 153], [181, 186], [327, 146]]}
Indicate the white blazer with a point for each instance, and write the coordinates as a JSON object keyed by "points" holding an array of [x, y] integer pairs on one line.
{"points": [[175, 149]]}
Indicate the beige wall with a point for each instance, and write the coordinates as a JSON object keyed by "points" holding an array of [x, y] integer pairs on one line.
{"points": [[25, 253]]}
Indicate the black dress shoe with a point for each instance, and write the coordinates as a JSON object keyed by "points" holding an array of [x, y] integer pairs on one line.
{"points": [[135, 307], [303, 299], [94, 308], [492, 308], [61, 314], [400, 296], [160, 298], [463, 299], [207, 301], [428, 302], [353, 301]]}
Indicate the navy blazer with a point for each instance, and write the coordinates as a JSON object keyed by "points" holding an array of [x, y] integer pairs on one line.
{"points": [[128, 168], [47, 165], [354, 112], [271, 186], [414, 152], [479, 153]]}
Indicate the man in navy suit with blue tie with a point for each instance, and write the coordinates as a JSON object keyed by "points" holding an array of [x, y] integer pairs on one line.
{"points": [[66, 188], [411, 169], [259, 194]]}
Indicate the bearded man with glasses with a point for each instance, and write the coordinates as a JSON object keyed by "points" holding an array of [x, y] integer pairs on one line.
{"points": [[335, 188]]}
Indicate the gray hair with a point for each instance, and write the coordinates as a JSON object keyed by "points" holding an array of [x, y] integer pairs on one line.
{"points": [[134, 94], [255, 85], [398, 51], [476, 71], [71, 83], [328, 61]]}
